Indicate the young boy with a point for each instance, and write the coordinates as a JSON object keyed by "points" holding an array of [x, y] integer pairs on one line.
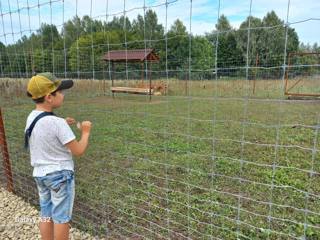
{"points": [[52, 144]]}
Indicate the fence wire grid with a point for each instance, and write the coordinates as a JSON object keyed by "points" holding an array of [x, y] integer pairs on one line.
{"points": [[221, 153]]}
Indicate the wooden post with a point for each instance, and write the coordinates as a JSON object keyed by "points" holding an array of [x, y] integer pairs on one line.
{"points": [[150, 71], [150, 83], [104, 79], [112, 66], [285, 87], [5, 155], [186, 83], [255, 75], [142, 73]]}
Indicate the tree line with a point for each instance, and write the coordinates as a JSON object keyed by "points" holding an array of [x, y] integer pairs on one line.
{"points": [[78, 49]]}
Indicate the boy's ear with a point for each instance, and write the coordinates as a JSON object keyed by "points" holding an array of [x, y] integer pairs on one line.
{"points": [[48, 98]]}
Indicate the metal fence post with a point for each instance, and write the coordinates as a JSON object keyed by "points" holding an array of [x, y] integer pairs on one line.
{"points": [[5, 155]]}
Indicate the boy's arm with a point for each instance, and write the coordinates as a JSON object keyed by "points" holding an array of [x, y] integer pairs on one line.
{"points": [[77, 148], [70, 120]]}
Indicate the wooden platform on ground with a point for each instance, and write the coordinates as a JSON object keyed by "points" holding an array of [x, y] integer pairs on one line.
{"points": [[145, 91]]}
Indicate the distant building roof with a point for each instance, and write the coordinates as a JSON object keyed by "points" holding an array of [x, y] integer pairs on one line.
{"points": [[131, 55]]}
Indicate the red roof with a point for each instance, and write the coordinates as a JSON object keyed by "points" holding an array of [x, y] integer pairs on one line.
{"points": [[131, 55]]}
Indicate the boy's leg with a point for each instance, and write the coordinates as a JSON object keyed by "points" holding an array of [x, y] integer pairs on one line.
{"points": [[46, 223], [46, 229], [62, 196], [61, 231]]}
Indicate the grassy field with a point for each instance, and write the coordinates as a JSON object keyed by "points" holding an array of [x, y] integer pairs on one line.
{"points": [[219, 163]]}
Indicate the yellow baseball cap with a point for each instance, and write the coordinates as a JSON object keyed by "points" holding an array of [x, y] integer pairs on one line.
{"points": [[45, 83]]}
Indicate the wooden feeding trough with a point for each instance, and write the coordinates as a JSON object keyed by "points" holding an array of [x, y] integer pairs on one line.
{"points": [[142, 56]]}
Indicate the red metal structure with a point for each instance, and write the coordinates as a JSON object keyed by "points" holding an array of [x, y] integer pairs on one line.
{"points": [[5, 155]]}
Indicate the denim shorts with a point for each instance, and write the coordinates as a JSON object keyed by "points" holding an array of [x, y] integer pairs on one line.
{"points": [[56, 195]]}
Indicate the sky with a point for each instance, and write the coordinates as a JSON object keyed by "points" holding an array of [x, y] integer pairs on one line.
{"points": [[22, 17]]}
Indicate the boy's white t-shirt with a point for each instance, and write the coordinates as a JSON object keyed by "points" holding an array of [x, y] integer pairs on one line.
{"points": [[47, 144]]}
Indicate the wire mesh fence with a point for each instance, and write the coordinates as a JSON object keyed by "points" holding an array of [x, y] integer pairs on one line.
{"points": [[221, 154], [303, 71]]}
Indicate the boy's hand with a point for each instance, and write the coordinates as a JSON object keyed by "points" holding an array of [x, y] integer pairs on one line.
{"points": [[85, 126], [70, 120]]}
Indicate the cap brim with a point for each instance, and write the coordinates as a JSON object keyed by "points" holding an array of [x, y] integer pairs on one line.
{"points": [[65, 84]]}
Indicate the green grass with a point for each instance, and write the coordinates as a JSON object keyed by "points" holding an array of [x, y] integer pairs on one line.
{"points": [[189, 166]]}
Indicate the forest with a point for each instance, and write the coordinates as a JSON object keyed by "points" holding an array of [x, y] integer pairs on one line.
{"points": [[77, 50]]}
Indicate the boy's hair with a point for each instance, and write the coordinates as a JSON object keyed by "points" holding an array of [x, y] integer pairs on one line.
{"points": [[41, 100]]}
